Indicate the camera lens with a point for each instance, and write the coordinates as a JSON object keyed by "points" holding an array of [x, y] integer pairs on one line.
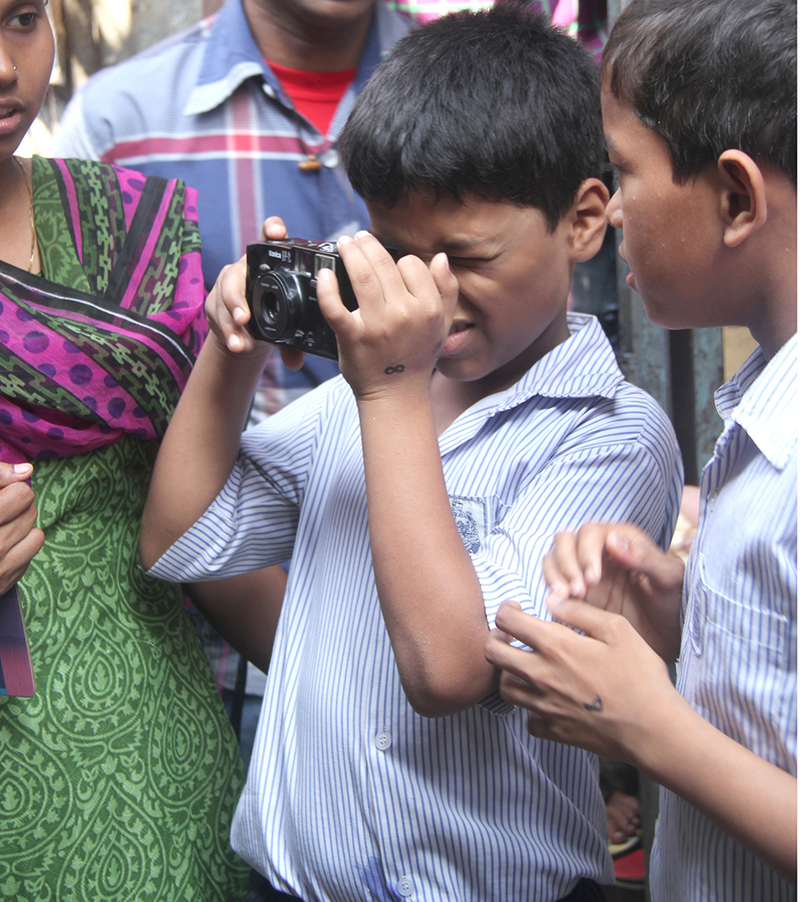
{"points": [[278, 304], [270, 307]]}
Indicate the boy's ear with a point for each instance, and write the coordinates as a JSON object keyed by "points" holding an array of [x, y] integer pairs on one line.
{"points": [[743, 201], [588, 219]]}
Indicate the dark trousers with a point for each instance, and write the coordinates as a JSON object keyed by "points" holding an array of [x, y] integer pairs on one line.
{"points": [[262, 891]]}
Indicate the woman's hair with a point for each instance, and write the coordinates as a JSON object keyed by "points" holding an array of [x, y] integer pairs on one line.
{"points": [[708, 76], [497, 103]]}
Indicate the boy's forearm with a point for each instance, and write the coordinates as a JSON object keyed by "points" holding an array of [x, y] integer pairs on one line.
{"points": [[751, 799], [200, 446], [429, 592]]}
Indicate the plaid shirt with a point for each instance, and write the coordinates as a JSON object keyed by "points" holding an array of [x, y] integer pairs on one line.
{"points": [[225, 126]]}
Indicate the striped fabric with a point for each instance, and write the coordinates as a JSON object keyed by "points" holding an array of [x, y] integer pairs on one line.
{"points": [[351, 794], [738, 663]]}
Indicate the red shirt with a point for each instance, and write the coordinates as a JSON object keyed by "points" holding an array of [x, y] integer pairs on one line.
{"points": [[314, 94]]}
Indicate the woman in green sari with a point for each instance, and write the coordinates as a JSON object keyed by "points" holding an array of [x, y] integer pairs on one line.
{"points": [[120, 774]]}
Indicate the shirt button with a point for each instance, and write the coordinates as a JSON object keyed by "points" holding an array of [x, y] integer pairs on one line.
{"points": [[405, 887], [330, 158], [383, 741]]}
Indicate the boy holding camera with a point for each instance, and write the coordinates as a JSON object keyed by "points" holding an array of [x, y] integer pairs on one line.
{"points": [[700, 113], [475, 417]]}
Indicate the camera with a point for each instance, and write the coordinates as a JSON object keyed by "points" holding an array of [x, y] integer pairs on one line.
{"points": [[281, 292]]}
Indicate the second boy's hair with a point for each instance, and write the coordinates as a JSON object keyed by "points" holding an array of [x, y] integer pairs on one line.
{"points": [[497, 103], [709, 76]]}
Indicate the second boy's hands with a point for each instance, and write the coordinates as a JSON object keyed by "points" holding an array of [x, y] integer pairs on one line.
{"points": [[394, 338], [618, 567], [578, 688]]}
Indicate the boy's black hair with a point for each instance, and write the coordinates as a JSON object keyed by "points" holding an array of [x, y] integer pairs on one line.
{"points": [[497, 103], [709, 76]]}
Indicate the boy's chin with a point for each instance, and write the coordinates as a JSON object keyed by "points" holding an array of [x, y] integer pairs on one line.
{"points": [[479, 381], [665, 317], [452, 368]]}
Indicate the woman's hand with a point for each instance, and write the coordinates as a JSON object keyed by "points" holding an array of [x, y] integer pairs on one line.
{"points": [[20, 539]]}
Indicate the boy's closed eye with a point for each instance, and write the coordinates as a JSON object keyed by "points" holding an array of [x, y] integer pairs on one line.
{"points": [[475, 264]]}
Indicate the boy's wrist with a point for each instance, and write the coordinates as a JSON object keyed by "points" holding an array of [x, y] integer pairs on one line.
{"points": [[251, 357], [411, 397], [651, 745], [228, 376]]}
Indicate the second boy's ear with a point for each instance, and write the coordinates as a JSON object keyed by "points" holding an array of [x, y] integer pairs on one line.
{"points": [[588, 219], [743, 199]]}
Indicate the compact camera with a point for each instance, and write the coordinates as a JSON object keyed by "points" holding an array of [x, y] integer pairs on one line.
{"points": [[282, 293]]}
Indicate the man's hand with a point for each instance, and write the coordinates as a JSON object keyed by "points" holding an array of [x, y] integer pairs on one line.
{"points": [[20, 539], [594, 691], [617, 567], [404, 312]]}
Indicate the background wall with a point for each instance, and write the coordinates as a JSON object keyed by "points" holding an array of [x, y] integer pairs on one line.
{"points": [[91, 34]]}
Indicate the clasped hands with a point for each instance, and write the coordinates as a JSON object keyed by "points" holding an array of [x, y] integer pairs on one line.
{"points": [[597, 689]]}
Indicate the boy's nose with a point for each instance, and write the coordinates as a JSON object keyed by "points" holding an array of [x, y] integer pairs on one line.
{"points": [[614, 210]]}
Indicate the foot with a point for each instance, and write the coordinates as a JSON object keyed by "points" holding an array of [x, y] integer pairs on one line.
{"points": [[623, 815]]}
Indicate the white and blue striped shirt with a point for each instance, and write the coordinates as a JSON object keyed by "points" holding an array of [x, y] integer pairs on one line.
{"points": [[351, 795], [738, 664]]}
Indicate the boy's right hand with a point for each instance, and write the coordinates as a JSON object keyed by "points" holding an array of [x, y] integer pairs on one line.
{"points": [[20, 539], [404, 313], [617, 567], [228, 313]]}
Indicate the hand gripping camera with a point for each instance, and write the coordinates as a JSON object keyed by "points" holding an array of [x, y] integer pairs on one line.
{"points": [[281, 292]]}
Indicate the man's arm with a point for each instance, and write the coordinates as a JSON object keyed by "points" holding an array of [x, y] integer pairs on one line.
{"points": [[608, 692]]}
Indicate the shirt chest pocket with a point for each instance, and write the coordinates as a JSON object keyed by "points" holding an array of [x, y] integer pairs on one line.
{"points": [[741, 672], [746, 637]]}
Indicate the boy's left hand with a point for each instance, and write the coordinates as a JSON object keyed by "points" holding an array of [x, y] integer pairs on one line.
{"points": [[595, 691], [227, 311], [394, 338]]}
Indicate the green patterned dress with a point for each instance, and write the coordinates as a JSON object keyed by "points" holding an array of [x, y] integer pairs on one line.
{"points": [[120, 776]]}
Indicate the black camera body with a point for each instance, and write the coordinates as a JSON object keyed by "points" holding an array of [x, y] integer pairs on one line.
{"points": [[281, 292]]}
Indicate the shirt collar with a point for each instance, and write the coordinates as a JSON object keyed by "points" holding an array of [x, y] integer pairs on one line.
{"points": [[583, 366], [231, 56], [762, 398]]}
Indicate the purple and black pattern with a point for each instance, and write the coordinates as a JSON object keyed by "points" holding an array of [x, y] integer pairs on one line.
{"points": [[82, 368]]}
